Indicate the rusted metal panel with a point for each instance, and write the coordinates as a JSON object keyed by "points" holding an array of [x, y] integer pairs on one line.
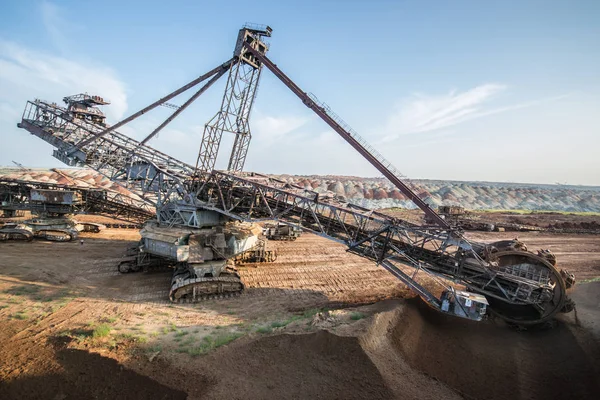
{"points": [[54, 196]]}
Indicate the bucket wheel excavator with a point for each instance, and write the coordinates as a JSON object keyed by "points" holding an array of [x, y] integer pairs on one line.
{"points": [[205, 217]]}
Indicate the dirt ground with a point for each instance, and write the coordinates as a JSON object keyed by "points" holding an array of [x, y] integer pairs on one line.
{"points": [[317, 323]]}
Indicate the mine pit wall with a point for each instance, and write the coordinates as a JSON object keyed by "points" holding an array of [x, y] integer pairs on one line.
{"points": [[483, 360]]}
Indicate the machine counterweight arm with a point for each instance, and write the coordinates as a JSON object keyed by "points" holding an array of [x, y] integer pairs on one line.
{"points": [[226, 65], [187, 103], [320, 111]]}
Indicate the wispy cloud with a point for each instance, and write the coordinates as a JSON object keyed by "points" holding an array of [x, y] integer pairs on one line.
{"points": [[426, 113], [54, 23], [28, 74], [270, 129], [422, 113]]}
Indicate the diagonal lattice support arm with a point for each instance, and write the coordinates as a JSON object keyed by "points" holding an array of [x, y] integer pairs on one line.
{"points": [[226, 65], [187, 103]]}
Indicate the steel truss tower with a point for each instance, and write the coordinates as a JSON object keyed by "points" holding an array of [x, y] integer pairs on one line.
{"points": [[237, 103]]}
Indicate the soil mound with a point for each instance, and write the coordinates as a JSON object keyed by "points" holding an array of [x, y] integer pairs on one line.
{"points": [[313, 366], [55, 372]]}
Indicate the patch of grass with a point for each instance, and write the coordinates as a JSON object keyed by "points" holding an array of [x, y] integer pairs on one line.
{"points": [[130, 336], [57, 307], [101, 330], [172, 327], [40, 293], [226, 338], [126, 336], [141, 339], [20, 315], [180, 333], [3, 307], [310, 313], [81, 338], [281, 324], [265, 329], [23, 290], [164, 330], [154, 349], [79, 335], [355, 316], [209, 343], [597, 279], [111, 320], [188, 341], [278, 324]]}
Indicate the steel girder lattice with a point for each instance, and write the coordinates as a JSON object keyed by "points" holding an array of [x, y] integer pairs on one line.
{"points": [[233, 117], [150, 174], [15, 194], [383, 239]]}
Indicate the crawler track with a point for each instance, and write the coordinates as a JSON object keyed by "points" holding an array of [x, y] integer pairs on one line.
{"points": [[15, 234], [198, 289], [57, 235]]}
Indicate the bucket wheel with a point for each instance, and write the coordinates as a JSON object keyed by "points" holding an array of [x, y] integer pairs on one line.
{"points": [[551, 296]]}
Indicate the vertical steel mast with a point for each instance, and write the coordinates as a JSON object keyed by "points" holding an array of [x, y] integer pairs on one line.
{"points": [[237, 102]]}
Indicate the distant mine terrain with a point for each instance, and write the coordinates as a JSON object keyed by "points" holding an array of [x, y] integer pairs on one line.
{"points": [[380, 193]]}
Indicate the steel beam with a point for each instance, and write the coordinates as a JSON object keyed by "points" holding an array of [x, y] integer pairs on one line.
{"points": [[359, 144], [157, 103]]}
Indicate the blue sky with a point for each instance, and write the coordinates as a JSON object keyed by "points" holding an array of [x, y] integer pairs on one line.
{"points": [[463, 90]]}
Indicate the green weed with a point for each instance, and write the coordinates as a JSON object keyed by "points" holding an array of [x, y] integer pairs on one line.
{"points": [[310, 313], [141, 339], [264, 329], [209, 343], [20, 315], [101, 330], [355, 316]]}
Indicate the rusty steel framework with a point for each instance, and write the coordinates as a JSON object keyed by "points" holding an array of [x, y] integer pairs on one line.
{"points": [[236, 105], [388, 241], [521, 287], [16, 194]]}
